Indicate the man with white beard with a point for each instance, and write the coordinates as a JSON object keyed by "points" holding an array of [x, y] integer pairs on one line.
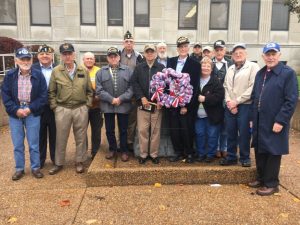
{"points": [[162, 55]]}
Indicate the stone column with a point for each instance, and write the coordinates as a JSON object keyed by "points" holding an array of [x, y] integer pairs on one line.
{"points": [[23, 19], [128, 16], [101, 18], [234, 20], [202, 34], [265, 18]]}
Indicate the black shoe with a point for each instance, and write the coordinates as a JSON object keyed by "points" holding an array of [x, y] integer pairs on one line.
{"points": [[189, 159], [209, 159], [227, 162], [155, 160], [246, 164], [55, 169], [176, 158], [130, 147], [37, 173], [265, 191], [18, 175], [200, 158], [255, 184], [142, 160]]}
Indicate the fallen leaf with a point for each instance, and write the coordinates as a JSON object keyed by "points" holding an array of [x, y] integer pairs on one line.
{"points": [[65, 202], [149, 191], [158, 185], [100, 197], [91, 221], [12, 219], [180, 184], [244, 186], [215, 185], [277, 194], [284, 215], [296, 199], [162, 207], [108, 166]]}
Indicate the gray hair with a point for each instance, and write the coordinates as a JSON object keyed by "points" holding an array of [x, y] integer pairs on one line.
{"points": [[161, 44]]}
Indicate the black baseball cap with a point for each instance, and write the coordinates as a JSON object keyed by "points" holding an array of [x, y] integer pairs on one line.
{"points": [[66, 47]]}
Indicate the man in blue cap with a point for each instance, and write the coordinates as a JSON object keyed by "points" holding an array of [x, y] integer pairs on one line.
{"points": [[24, 95], [275, 96]]}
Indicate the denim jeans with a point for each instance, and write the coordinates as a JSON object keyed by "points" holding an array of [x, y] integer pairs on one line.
{"points": [[206, 137], [238, 133], [222, 142], [32, 126]]}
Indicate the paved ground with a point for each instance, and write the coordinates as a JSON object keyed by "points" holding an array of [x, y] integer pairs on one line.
{"points": [[65, 199]]}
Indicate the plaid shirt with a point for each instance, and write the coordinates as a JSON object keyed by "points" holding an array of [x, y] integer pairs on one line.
{"points": [[24, 87], [114, 74]]}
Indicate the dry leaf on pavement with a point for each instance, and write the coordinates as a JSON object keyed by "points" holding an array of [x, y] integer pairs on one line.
{"points": [[12, 219], [284, 215], [277, 194], [158, 185], [108, 166], [65, 202], [296, 199], [162, 207], [91, 221]]}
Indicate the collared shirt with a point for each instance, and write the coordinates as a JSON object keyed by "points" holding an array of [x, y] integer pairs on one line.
{"points": [[24, 87], [47, 73], [71, 72], [128, 59], [219, 64], [114, 74], [162, 61], [180, 64]]}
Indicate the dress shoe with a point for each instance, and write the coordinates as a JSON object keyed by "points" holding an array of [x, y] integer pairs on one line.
{"points": [[200, 158], [255, 184], [79, 167], [18, 175], [124, 157], [176, 158], [246, 164], [37, 173], [142, 160], [265, 191], [155, 160], [218, 154], [110, 155], [227, 162], [189, 159], [209, 159], [55, 169], [224, 154], [130, 147]]}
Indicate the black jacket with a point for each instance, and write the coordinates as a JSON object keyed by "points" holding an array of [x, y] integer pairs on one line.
{"points": [[214, 95], [193, 68], [141, 78]]}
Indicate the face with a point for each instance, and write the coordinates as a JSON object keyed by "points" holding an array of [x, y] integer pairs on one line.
{"points": [[24, 63], [68, 57], [113, 59], [150, 55], [183, 50], [205, 69], [220, 53], [89, 61], [271, 58], [239, 55], [162, 51], [45, 58], [128, 44], [207, 53], [197, 50]]}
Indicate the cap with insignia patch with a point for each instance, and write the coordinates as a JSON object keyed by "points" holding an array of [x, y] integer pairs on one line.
{"points": [[66, 47], [45, 48], [128, 35], [113, 51], [23, 53], [182, 40]]}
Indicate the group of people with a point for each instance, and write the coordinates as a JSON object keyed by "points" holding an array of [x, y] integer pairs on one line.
{"points": [[232, 101]]}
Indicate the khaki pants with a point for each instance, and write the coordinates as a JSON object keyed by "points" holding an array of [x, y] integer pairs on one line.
{"points": [[132, 124], [145, 120], [64, 119]]}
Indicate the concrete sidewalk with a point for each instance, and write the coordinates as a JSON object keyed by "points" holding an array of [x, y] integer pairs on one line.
{"points": [[66, 199]]}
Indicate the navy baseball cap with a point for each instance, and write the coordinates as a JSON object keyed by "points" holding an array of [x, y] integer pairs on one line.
{"points": [[23, 53], [272, 46]]}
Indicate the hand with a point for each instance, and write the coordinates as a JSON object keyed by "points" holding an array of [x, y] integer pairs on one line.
{"points": [[158, 106], [250, 124], [277, 127], [145, 102], [234, 110], [20, 113], [183, 110], [231, 104], [118, 101], [201, 98], [27, 111], [114, 101]]}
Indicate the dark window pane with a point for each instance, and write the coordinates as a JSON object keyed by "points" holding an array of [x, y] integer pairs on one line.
{"points": [[219, 14], [40, 12], [115, 12], [280, 16], [88, 11], [187, 14], [250, 14], [141, 17], [8, 12]]}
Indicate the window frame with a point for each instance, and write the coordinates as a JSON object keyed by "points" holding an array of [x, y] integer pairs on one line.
{"points": [[227, 19], [148, 13], [259, 8], [95, 13], [118, 25], [38, 24], [196, 24], [288, 19], [12, 24]]}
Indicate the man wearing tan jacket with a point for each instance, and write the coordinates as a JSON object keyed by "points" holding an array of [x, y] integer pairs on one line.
{"points": [[238, 86]]}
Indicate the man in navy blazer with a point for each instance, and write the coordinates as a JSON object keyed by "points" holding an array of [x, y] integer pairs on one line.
{"points": [[47, 125], [182, 119]]}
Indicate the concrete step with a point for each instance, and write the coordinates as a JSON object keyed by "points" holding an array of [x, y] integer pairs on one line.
{"points": [[103, 172]]}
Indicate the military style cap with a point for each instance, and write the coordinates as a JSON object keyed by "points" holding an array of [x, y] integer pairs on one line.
{"points": [[197, 44], [207, 48], [182, 40], [219, 44], [128, 35], [272, 46], [113, 51], [23, 53], [239, 45], [66, 47], [149, 47], [45, 48]]}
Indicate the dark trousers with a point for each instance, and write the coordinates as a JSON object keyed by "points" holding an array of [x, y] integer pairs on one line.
{"points": [[267, 167], [96, 122], [47, 129], [110, 130], [182, 132]]}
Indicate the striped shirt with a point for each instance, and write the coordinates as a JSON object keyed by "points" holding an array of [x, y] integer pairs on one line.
{"points": [[24, 87]]}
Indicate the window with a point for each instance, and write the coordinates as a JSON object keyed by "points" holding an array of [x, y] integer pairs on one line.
{"points": [[40, 12], [141, 13], [219, 14], [187, 18], [115, 12], [280, 16], [8, 12], [88, 12], [250, 14]]}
